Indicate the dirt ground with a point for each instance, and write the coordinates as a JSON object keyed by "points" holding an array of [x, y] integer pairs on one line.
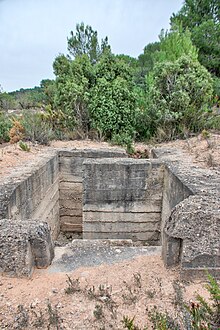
{"points": [[102, 295], [204, 151]]}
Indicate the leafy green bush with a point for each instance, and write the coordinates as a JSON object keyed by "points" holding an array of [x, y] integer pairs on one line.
{"points": [[112, 100], [181, 92], [5, 126]]}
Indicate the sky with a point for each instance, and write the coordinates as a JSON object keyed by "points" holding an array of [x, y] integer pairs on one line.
{"points": [[34, 32]]}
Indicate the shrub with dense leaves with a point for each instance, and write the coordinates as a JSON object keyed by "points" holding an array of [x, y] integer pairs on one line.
{"points": [[5, 126], [112, 100], [180, 93]]}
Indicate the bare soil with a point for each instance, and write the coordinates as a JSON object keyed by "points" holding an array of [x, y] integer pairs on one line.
{"points": [[103, 294]]}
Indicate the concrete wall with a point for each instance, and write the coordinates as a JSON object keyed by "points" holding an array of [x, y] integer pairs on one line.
{"points": [[32, 192], [71, 190], [122, 198], [190, 215], [174, 192]]}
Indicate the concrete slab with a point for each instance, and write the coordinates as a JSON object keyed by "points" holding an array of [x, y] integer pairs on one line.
{"points": [[94, 253]]}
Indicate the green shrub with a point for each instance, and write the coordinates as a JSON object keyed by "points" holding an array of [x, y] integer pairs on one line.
{"points": [[36, 128], [24, 146], [5, 126], [113, 100], [181, 92]]}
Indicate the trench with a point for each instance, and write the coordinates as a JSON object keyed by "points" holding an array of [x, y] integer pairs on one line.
{"points": [[98, 195]]}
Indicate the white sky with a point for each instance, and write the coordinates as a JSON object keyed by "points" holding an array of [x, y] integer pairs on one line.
{"points": [[34, 32]]}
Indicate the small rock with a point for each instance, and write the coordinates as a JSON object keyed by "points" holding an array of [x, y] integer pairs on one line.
{"points": [[54, 290]]}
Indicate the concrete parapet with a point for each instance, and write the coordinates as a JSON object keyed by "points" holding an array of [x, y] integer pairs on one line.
{"points": [[190, 216], [24, 245], [32, 192]]}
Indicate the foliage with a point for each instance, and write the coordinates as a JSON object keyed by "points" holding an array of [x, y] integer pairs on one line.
{"points": [[36, 129], [73, 82], [6, 101], [181, 92], [146, 63], [112, 100], [17, 131], [85, 41], [49, 89], [28, 98], [202, 18], [73, 285], [174, 44], [5, 126], [24, 146], [205, 314], [128, 323]]}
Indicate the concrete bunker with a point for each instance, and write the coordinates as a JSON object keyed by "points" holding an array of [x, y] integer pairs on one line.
{"points": [[105, 195]]}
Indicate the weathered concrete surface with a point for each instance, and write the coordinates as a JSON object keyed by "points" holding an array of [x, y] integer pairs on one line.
{"points": [[90, 253], [32, 192], [70, 189], [23, 246], [190, 215], [122, 199]]}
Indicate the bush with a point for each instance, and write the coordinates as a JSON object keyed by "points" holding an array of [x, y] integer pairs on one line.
{"points": [[181, 92], [16, 133], [5, 126], [36, 128], [112, 100]]}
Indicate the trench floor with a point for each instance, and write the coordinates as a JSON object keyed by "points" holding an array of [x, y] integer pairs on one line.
{"points": [[90, 253]]}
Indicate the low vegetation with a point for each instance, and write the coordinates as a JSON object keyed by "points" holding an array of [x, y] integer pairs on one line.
{"points": [[200, 314], [170, 91]]}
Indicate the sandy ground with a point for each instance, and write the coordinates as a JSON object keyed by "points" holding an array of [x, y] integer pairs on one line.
{"points": [[204, 151], [103, 294]]}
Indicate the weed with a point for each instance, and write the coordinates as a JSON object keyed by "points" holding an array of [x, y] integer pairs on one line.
{"points": [[103, 295], [98, 312], [103, 292], [54, 318], [150, 293], [73, 285], [129, 295], [129, 324], [162, 321], [22, 318], [204, 314], [24, 146], [205, 134], [210, 161], [38, 319]]}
